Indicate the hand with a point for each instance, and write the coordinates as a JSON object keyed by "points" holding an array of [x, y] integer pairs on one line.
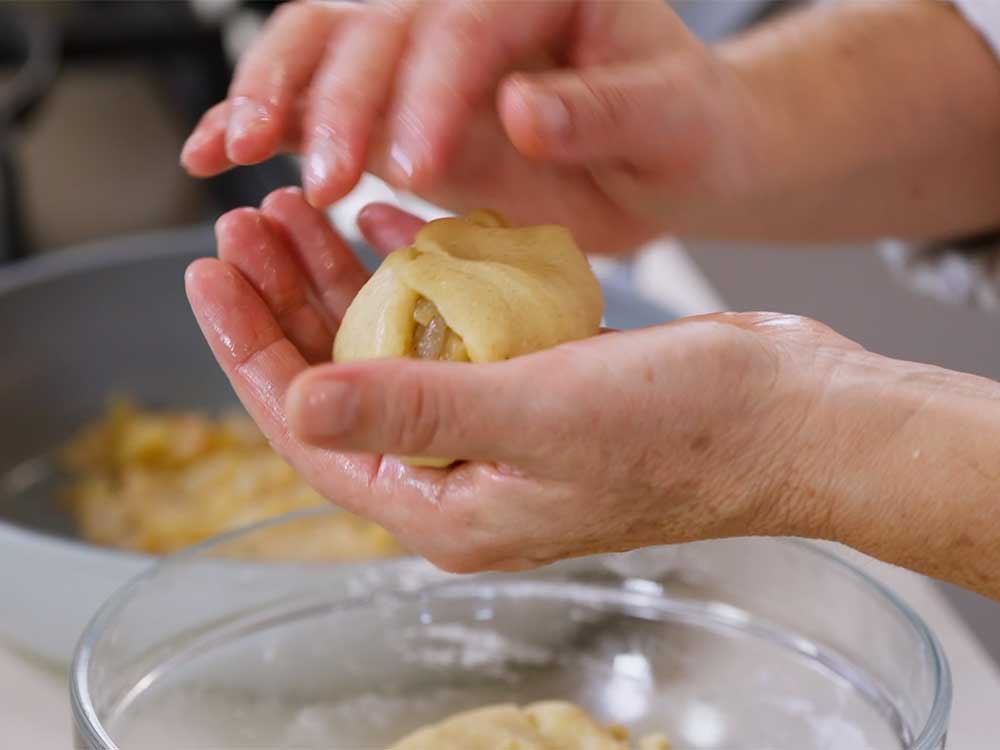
{"points": [[673, 433], [607, 117], [713, 426]]}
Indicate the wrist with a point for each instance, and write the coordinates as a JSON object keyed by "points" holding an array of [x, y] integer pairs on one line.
{"points": [[905, 461]]}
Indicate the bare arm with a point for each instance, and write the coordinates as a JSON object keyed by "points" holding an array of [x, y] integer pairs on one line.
{"points": [[911, 470], [862, 120], [723, 425], [873, 119]]}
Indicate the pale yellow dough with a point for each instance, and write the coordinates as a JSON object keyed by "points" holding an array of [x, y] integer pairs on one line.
{"points": [[500, 291], [552, 725]]}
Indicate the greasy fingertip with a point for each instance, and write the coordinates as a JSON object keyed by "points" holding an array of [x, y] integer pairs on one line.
{"points": [[329, 172], [204, 151], [191, 154], [289, 206], [204, 154], [325, 194], [197, 273], [281, 196], [234, 220], [252, 132], [210, 285], [252, 149], [387, 228]]}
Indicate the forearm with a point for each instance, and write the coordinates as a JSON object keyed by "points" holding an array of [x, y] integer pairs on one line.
{"points": [[910, 465], [867, 120]]}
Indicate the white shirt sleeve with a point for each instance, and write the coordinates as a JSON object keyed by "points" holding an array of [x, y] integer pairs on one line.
{"points": [[984, 16], [965, 271]]}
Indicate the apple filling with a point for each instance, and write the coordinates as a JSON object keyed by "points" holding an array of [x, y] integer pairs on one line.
{"points": [[432, 338]]}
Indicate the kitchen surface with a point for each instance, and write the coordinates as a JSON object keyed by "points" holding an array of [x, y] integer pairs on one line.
{"points": [[95, 158]]}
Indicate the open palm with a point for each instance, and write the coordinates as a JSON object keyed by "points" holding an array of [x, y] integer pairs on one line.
{"points": [[608, 443]]}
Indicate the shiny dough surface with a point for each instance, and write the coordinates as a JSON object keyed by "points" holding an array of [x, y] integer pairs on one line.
{"points": [[503, 291], [550, 725]]}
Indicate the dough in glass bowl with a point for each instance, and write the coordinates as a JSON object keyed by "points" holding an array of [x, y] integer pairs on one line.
{"points": [[550, 725]]}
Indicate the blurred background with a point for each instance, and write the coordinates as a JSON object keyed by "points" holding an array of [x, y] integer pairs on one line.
{"points": [[96, 99]]}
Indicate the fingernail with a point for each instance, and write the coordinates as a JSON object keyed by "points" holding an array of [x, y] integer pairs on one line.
{"points": [[322, 164], [550, 112], [245, 116], [328, 409], [400, 160]]}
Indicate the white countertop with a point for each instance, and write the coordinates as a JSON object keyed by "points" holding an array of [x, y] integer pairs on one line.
{"points": [[34, 704]]}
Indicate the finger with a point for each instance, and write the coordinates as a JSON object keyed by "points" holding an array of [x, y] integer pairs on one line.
{"points": [[334, 272], [387, 228], [249, 243], [457, 52], [348, 95], [246, 340], [639, 114], [204, 152], [509, 412], [273, 74], [260, 363]]}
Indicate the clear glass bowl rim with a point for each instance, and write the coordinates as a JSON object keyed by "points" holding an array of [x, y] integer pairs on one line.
{"points": [[88, 724]]}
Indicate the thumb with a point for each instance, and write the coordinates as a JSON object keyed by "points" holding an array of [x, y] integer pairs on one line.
{"points": [[504, 412], [644, 114]]}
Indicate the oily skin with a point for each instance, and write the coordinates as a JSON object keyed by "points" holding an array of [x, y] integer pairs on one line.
{"points": [[518, 504], [612, 119], [722, 425]]}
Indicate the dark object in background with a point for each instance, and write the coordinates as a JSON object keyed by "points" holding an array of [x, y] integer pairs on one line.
{"points": [[30, 47], [187, 61]]}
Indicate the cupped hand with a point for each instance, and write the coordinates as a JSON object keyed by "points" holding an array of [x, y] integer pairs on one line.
{"points": [[607, 117], [672, 433]]}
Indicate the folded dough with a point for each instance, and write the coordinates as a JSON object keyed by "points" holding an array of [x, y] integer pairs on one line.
{"points": [[551, 725], [473, 289]]}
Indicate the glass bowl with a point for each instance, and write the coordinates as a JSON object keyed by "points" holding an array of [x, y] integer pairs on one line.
{"points": [[749, 644]]}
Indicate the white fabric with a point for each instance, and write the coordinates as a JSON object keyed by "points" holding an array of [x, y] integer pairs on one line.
{"points": [[966, 272], [984, 15], [964, 275]]}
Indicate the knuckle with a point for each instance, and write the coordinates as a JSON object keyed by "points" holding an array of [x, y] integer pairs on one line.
{"points": [[788, 323], [416, 418], [611, 105]]}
